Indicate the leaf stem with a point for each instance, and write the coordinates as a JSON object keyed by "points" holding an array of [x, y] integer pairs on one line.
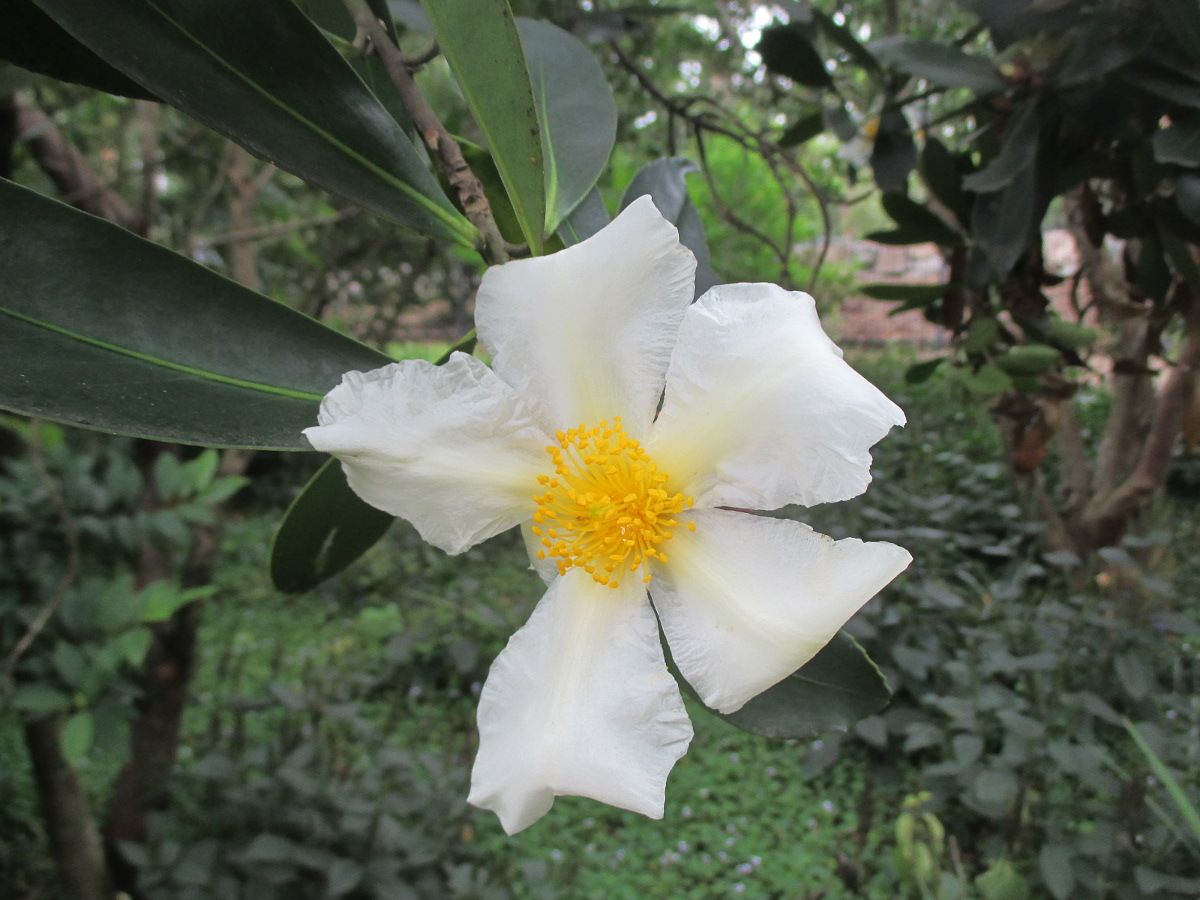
{"points": [[441, 145]]}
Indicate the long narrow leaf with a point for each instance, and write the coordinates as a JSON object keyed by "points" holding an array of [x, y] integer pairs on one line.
{"points": [[480, 41], [102, 329], [300, 105]]}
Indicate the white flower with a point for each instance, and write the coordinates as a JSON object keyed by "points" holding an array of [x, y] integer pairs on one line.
{"points": [[626, 502]]}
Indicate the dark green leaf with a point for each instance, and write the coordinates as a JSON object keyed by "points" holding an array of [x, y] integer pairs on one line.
{"points": [[326, 528], [1182, 18], [893, 155], [803, 129], [576, 110], [480, 41], [923, 371], [914, 224], [300, 105], [909, 293], [1029, 359], [76, 738], [1072, 335], [34, 41], [839, 121], [1179, 142], [1187, 195], [664, 180], [1017, 153], [939, 168], [39, 700], [106, 330], [585, 220], [1175, 87], [1004, 222], [838, 686], [844, 38], [786, 50], [940, 64]]}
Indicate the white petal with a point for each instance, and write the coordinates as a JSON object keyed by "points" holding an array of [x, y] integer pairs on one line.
{"points": [[585, 334], [450, 448], [746, 600], [761, 410], [579, 702]]}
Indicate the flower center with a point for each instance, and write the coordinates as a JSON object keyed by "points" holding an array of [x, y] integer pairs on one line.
{"points": [[605, 508]]}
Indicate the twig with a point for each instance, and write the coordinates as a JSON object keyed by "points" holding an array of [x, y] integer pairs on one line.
{"points": [[70, 573], [277, 230], [443, 148]]}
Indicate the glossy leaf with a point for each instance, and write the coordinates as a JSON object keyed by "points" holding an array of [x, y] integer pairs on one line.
{"points": [[105, 330], [893, 155], [1187, 195], [301, 106], [838, 686], [326, 528], [480, 41], [1182, 18], [786, 50], [940, 64], [576, 110], [914, 224], [803, 129], [939, 168], [1017, 153], [664, 180], [1179, 142], [844, 38], [1004, 222], [34, 41], [908, 293], [585, 219]]}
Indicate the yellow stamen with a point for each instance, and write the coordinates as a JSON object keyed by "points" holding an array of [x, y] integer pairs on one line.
{"points": [[608, 504]]}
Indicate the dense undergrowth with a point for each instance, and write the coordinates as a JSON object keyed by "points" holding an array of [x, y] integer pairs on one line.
{"points": [[328, 747]]}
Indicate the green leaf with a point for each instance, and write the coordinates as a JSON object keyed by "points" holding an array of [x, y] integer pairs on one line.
{"points": [[1029, 359], [914, 224], [786, 50], [939, 168], [1016, 154], [1178, 795], [76, 737], [480, 41], [844, 38], [1002, 881], [940, 64], [585, 219], [988, 380], [1187, 195], [326, 528], [1072, 335], [263, 75], [1004, 222], [1182, 18], [923, 371], [836, 688], [665, 181], [576, 110], [34, 41], [1179, 142], [38, 700], [108, 331], [803, 129], [893, 154], [922, 294]]}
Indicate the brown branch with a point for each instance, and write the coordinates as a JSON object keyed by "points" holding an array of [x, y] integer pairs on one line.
{"points": [[442, 146], [1106, 520], [78, 182]]}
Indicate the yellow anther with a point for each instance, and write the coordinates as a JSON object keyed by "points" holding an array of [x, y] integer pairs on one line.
{"points": [[594, 530]]}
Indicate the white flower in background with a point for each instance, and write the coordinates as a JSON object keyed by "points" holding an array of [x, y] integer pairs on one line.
{"points": [[627, 505]]}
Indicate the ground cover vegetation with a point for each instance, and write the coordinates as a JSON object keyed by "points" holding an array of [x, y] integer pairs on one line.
{"points": [[173, 726], [326, 750]]}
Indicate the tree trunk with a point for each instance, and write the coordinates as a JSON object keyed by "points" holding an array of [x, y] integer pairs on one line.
{"points": [[74, 839]]}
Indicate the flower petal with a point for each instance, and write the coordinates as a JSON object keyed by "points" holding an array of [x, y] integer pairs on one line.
{"points": [[761, 410], [450, 448], [746, 600], [579, 702], [585, 334]]}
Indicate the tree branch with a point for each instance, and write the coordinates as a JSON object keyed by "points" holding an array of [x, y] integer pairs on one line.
{"points": [[443, 148]]}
